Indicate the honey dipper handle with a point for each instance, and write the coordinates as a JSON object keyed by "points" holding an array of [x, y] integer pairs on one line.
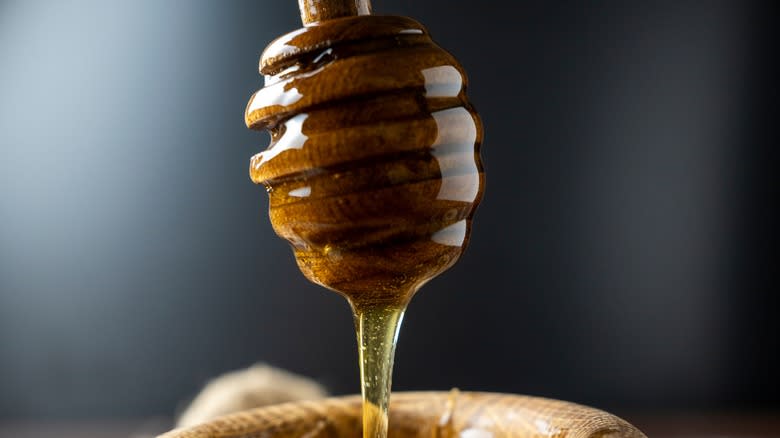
{"points": [[313, 11]]}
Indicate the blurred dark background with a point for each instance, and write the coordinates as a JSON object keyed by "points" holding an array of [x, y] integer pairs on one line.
{"points": [[622, 256]]}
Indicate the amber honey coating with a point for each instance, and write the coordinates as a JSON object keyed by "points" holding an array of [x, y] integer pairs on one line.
{"points": [[373, 170]]}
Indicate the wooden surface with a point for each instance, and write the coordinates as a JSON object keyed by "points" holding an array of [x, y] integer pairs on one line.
{"points": [[668, 425], [723, 424], [135, 428]]}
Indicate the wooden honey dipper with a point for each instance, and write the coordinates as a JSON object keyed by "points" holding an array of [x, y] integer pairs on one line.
{"points": [[373, 171]]}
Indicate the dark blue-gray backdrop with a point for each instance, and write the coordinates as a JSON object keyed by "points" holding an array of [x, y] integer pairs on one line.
{"points": [[620, 258]]}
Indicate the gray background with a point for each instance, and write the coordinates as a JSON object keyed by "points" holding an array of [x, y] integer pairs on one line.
{"points": [[621, 256]]}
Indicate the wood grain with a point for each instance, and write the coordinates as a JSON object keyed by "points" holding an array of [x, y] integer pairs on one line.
{"points": [[373, 171], [422, 415]]}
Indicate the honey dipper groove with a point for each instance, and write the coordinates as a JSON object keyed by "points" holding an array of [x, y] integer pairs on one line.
{"points": [[373, 170]]}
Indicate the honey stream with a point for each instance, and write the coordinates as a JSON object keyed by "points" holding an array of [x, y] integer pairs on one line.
{"points": [[377, 327]]}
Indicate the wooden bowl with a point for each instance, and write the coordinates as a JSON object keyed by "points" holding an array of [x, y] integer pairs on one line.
{"points": [[421, 414]]}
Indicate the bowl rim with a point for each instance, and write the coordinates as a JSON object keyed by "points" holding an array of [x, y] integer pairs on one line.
{"points": [[420, 413]]}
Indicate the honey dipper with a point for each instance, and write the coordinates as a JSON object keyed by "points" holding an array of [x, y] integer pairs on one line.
{"points": [[373, 170]]}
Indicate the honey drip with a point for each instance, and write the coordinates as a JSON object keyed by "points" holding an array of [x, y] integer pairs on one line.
{"points": [[377, 328]]}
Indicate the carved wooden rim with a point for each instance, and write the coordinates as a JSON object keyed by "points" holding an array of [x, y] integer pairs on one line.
{"points": [[421, 414]]}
